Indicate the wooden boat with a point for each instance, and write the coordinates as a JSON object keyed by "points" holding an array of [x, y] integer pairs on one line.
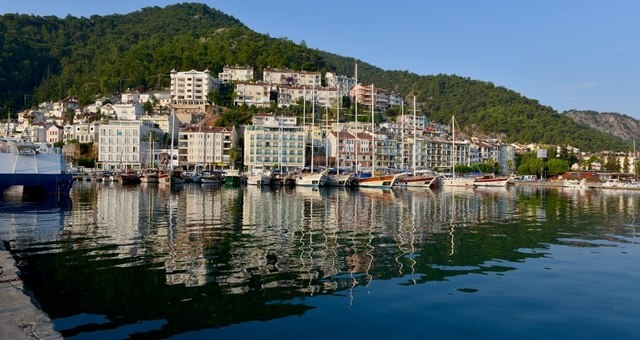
{"points": [[490, 181]]}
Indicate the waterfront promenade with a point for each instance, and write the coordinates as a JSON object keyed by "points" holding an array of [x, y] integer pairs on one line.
{"points": [[21, 319]]}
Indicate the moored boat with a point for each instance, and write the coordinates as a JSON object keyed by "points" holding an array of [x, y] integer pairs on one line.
{"points": [[35, 166], [490, 181]]}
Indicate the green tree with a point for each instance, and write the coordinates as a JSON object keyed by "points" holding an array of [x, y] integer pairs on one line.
{"points": [[148, 107], [557, 166]]}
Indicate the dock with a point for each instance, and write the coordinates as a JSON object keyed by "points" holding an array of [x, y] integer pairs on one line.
{"points": [[21, 318]]}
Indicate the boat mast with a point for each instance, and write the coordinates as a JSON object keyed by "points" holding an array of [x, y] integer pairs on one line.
{"points": [[304, 123], [453, 145], [313, 118], [356, 116], [373, 143], [402, 136], [413, 158], [338, 103], [173, 129]]}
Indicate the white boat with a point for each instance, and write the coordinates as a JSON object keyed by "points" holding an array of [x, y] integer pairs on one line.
{"points": [[215, 177], [340, 180], [458, 181], [491, 181], [417, 178], [259, 176], [37, 166], [312, 179], [576, 184], [385, 181], [149, 176]]}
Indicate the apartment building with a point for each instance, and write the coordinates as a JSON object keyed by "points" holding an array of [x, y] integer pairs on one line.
{"points": [[289, 77], [82, 132], [343, 83], [236, 73], [274, 142], [253, 93], [203, 145], [364, 95], [123, 144], [189, 90]]}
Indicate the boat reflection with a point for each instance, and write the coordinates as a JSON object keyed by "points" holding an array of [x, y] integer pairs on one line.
{"points": [[215, 251]]}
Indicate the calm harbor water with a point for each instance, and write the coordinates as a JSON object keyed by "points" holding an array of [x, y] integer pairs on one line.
{"points": [[213, 262]]}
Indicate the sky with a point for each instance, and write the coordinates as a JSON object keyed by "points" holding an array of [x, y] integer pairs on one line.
{"points": [[568, 54]]}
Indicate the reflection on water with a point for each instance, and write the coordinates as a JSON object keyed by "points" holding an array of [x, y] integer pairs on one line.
{"points": [[160, 261]]}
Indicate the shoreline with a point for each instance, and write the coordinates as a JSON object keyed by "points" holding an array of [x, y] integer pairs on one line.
{"points": [[21, 318]]}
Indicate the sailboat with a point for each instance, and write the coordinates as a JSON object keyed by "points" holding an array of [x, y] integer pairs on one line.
{"points": [[339, 179], [311, 178], [173, 176], [453, 181], [422, 179], [379, 181]]}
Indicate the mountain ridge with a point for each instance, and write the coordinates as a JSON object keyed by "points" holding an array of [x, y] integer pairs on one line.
{"points": [[49, 58]]}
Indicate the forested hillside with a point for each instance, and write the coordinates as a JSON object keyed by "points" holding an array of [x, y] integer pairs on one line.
{"points": [[48, 58]]}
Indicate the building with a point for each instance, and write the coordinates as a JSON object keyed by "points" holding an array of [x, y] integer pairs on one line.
{"points": [[81, 132], [343, 83], [189, 90], [128, 111], [236, 73], [206, 146], [253, 93], [274, 142], [54, 133], [123, 144], [289, 77], [364, 96]]}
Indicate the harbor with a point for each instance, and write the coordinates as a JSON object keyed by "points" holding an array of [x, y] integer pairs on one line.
{"points": [[197, 260]]}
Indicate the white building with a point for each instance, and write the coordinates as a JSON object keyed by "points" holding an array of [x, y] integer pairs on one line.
{"points": [[189, 90], [253, 93], [284, 76], [236, 73], [343, 83], [206, 146], [82, 132], [128, 111], [274, 142], [123, 143]]}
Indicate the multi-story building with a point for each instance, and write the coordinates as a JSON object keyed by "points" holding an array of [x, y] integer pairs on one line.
{"points": [[364, 96], [54, 133], [128, 111], [236, 73], [82, 132], [253, 93], [189, 90], [343, 83], [123, 144], [274, 142], [206, 146], [284, 76]]}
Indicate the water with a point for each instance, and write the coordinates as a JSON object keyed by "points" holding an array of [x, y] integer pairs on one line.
{"points": [[212, 262]]}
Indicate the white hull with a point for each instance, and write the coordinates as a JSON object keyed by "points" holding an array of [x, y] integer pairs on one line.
{"points": [[458, 182], [259, 179], [502, 182], [343, 180], [419, 182], [318, 179]]}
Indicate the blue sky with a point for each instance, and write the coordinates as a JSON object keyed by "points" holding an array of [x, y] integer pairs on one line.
{"points": [[567, 54]]}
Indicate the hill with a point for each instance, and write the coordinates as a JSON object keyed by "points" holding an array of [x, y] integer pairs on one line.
{"points": [[612, 123], [48, 58]]}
